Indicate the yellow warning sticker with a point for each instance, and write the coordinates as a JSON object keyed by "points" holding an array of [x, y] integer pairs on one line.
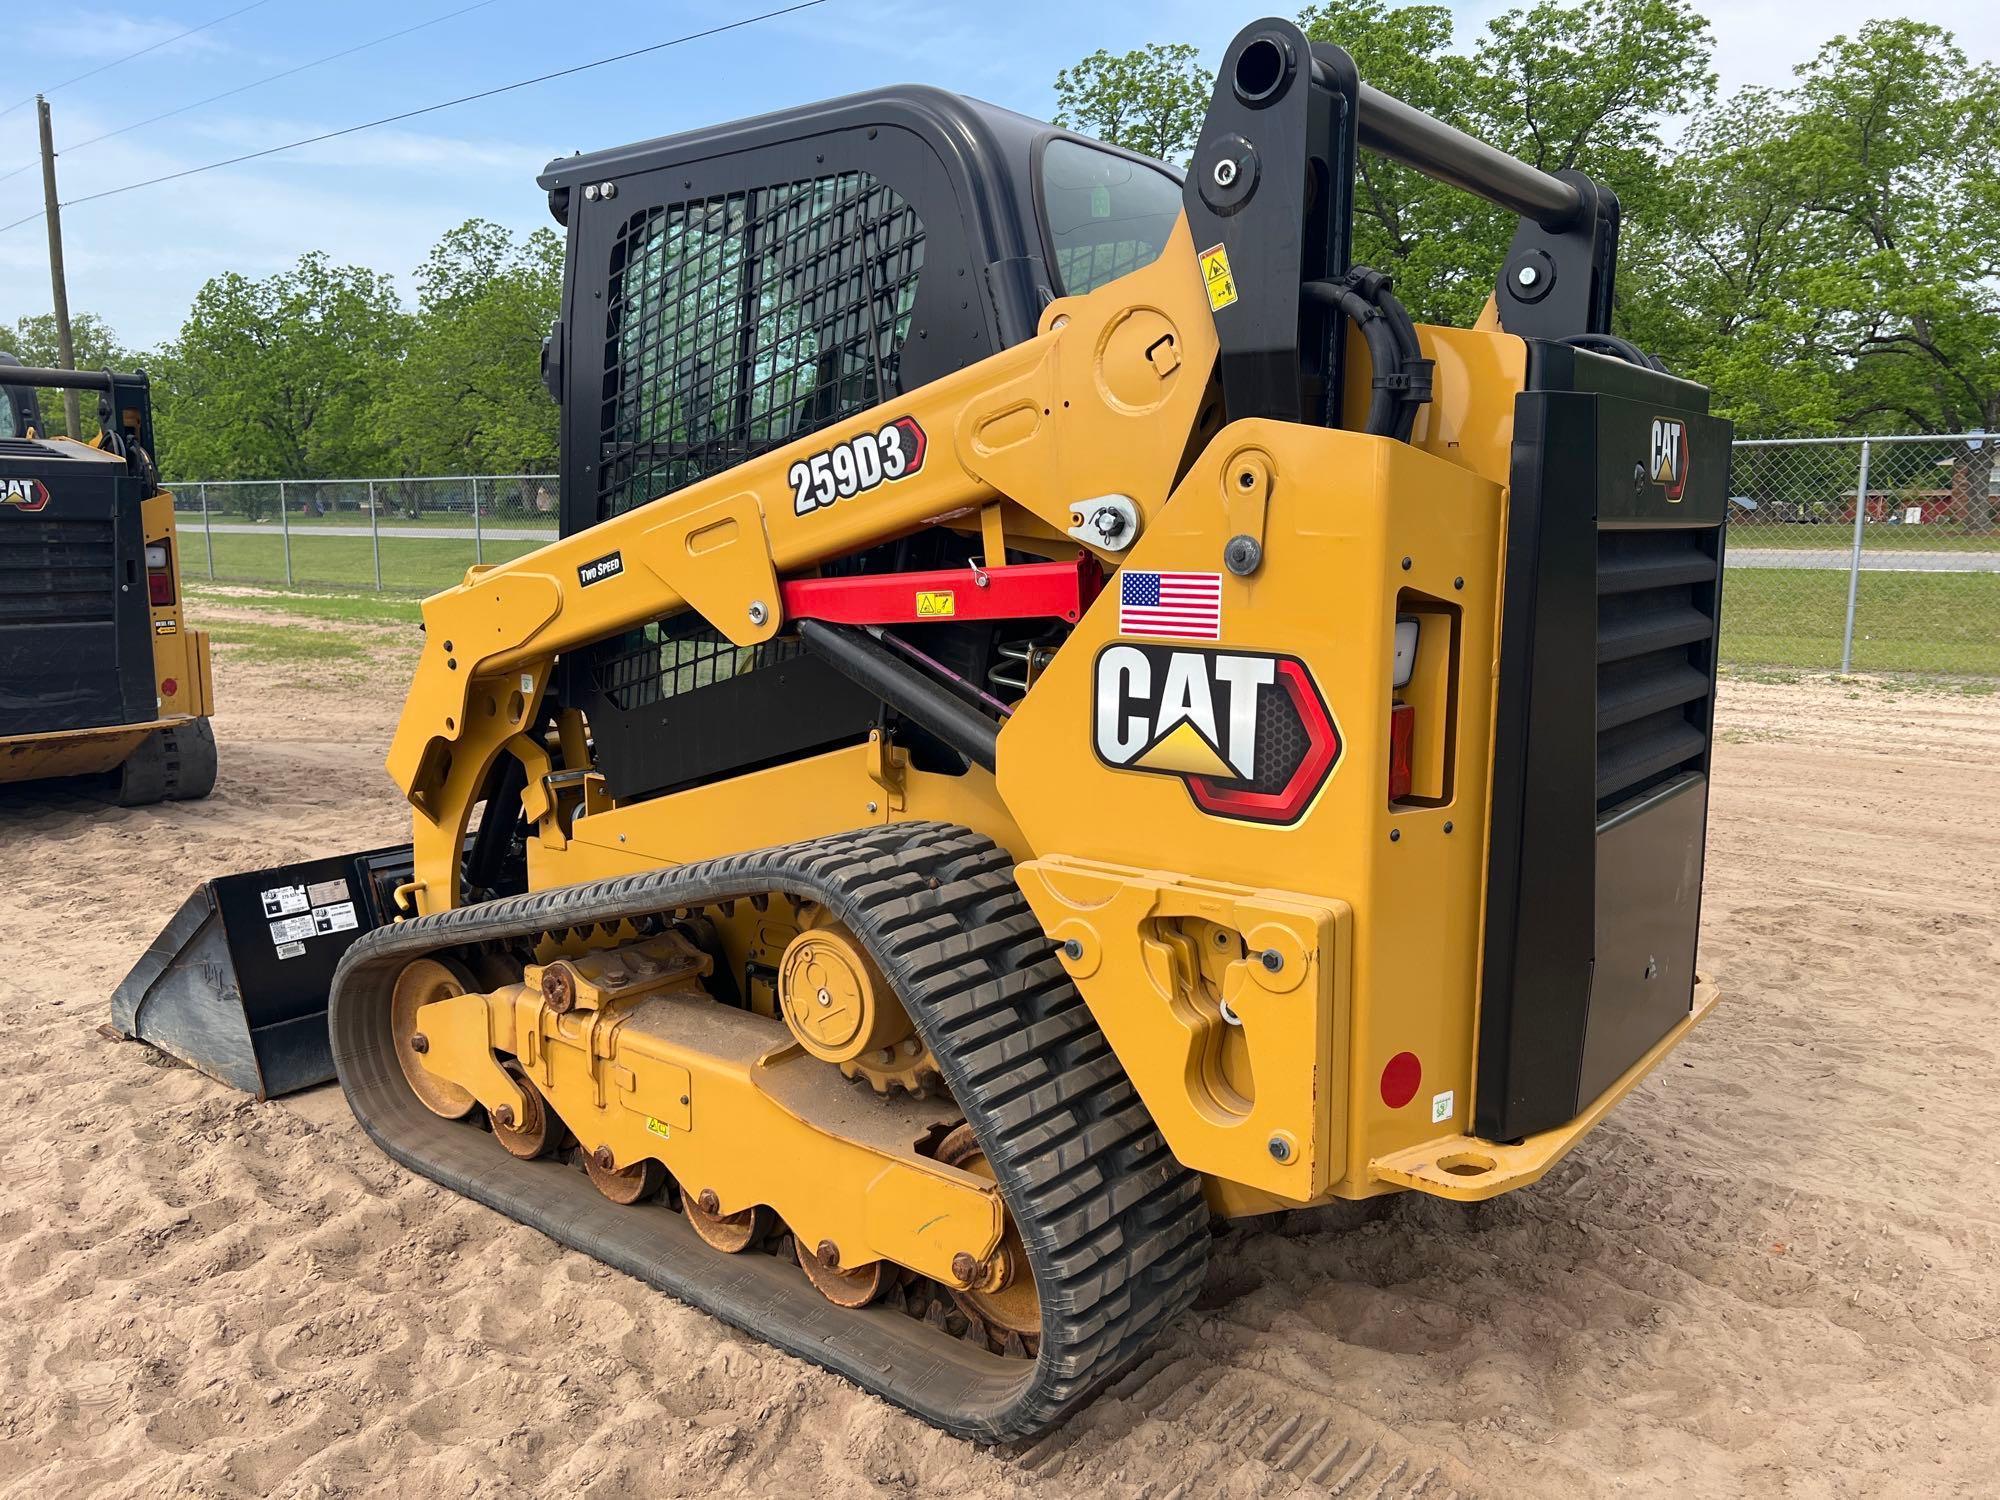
{"points": [[658, 1127], [933, 605], [1216, 275]]}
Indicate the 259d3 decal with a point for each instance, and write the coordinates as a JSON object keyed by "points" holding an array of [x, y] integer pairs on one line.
{"points": [[1246, 731], [857, 465]]}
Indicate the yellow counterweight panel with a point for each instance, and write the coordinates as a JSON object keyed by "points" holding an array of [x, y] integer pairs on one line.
{"points": [[1127, 937], [1359, 528]]}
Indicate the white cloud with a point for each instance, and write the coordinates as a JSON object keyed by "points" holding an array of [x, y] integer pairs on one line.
{"points": [[99, 36]]}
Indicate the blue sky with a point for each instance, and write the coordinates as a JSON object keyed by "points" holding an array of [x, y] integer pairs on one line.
{"points": [[380, 198]]}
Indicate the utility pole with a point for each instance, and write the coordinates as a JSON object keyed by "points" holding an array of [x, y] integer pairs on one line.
{"points": [[53, 212]]}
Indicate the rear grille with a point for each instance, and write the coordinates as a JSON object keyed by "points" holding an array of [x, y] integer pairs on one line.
{"points": [[1655, 656], [57, 572]]}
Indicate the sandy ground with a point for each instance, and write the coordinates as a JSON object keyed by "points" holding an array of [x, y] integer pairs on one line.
{"points": [[1771, 1272]]}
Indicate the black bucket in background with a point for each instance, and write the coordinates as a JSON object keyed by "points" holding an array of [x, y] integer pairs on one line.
{"points": [[236, 983]]}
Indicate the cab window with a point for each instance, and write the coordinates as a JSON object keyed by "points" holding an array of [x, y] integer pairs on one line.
{"points": [[1106, 214]]}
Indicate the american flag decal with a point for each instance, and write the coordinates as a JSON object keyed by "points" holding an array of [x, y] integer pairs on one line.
{"points": [[1176, 606]]}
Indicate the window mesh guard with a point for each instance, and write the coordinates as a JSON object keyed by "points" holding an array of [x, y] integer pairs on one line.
{"points": [[738, 323]]}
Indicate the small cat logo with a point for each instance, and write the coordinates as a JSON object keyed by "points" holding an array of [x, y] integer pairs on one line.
{"points": [[1670, 456], [28, 495]]}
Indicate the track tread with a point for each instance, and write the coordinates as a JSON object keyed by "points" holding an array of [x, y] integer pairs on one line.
{"points": [[1116, 1229]]}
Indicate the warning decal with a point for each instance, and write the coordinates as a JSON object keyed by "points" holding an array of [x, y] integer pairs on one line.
{"points": [[320, 893], [1217, 277], [338, 917], [934, 603], [283, 900]]}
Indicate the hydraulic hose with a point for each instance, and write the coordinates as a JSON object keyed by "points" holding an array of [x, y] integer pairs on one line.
{"points": [[1625, 349], [1402, 380]]}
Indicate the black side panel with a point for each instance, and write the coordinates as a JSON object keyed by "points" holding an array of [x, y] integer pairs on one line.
{"points": [[1601, 746], [75, 648], [1539, 888]]}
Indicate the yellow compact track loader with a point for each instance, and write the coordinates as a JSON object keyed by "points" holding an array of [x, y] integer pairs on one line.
{"points": [[1058, 712], [99, 674]]}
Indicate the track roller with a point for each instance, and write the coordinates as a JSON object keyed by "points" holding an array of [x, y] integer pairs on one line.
{"points": [[626, 1185]]}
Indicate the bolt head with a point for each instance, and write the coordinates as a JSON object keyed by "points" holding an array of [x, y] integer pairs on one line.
{"points": [[872, 807], [1280, 1148], [1527, 276], [606, 1162], [1225, 172], [504, 1117], [1272, 960], [964, 1268], [710, 1204], [758, 613], [1072, 950], [1108, 523], [828, 1255], [420, 1043], [826, 997]]}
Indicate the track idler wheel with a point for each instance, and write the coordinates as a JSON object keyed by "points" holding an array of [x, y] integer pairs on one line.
{"points": [[855, 1288], [422, 981], [633, 1184], [532, 1137], [729, 1233], [1001, 1295]]}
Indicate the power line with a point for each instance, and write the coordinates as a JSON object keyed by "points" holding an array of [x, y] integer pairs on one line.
{"points": [[428, 109], [154, 47], [244, 88]]}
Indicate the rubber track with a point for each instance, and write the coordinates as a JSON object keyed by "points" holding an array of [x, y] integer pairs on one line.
{"points": [[1115, 1228]]}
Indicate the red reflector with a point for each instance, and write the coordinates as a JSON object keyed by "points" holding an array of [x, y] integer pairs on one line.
{"points": [[1402, 730], [169, 686], [1400, 1077], [160, 587]]}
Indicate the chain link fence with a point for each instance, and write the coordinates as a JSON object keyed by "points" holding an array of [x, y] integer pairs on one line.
{"points": [[1865, 554], [411, 535], [1847, 554]]}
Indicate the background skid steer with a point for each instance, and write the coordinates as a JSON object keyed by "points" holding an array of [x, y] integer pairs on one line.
{"points": [[99, 673], [1058, 711]]}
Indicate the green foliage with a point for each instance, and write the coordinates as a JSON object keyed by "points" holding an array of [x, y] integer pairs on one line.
{"points": [[32, 340], [466, 395], [278, 376], [1150, 100], [1569, 85]]}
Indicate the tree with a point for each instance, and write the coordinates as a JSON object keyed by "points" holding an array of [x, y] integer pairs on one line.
{"points": [[32, 340], [276, 377], [467, 395], [1580, 85], [1150, 100], [1833, 261]]}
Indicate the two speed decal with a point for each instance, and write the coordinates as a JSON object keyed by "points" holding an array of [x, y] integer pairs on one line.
{"points": [[857, 465]]}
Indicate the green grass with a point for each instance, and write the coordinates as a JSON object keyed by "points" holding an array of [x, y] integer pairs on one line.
{"points": [[410, 564], [396, 611], [1876, 536], [1944, 623], [285, 643]]}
